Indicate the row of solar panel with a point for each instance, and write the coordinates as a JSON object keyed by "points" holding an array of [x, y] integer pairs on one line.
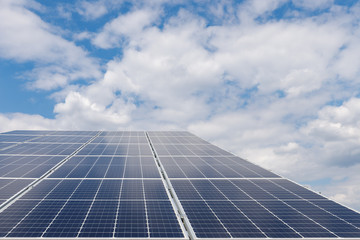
{"points": [[262, 208], [111, 171], [274, 219], [79, 166], [71, 139], [129, 219], [185, 167], [118, 167], [36, 166], [89, 208], [114, 149], [191, 189], [9, 187], [67, 149], [45, 132], [220, 208], [241, 189], [104, 133], [213, 215], [129, 189], [212, 167], [178, 140], [189, 150]]}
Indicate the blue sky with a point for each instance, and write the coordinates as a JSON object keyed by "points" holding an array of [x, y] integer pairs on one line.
{"points": [[275, 81]]}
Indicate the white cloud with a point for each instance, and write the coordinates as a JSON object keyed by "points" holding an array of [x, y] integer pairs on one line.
{"points": [[260, 90], [310, 4], [25, 37], [14, 121], [92, 10], [115, 32]]}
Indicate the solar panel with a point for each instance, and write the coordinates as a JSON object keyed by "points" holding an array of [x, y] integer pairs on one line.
{"points": [[159, 185], [4, 145], [15, 138], [93, 184], [224, 196]]}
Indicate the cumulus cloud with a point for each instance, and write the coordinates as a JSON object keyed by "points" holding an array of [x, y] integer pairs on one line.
{"points": [[122, 28], [261, 89], [26, 37]]}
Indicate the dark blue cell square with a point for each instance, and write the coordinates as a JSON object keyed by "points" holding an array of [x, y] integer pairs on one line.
{"points": [[131, 221], [162, 220], [109, 190], [203, 220], [86, 190], [132, 189], [12, 215], [268, 223], [63, 190], [36, 222], [41, 190], [116, 171], [185, 190], [155, 190], [100, 221], [68, 222]]}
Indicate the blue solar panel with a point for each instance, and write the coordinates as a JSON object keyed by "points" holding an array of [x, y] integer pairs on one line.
{"points": [[27, 166], [100, 221], [116, 149], [211, 167], [13, 214], [340, 211], [15, 138], [131, 220], [29, 132], [4, 145], [42, 149], [236, 223], [62, 139], [10, 187], [90, 184], [68, 221], [204, 221], [109, 190], [75, 133], [269, 223], [162, 222], [296, 220], [328, 220], [30, 226]]}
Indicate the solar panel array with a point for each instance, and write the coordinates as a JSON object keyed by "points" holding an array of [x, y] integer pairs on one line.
{"points": [[86, 184], [168, 185]]}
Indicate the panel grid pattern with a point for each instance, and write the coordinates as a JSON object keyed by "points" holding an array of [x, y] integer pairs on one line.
{"points": [[113, 184], [224, 196], [107, 188]]}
